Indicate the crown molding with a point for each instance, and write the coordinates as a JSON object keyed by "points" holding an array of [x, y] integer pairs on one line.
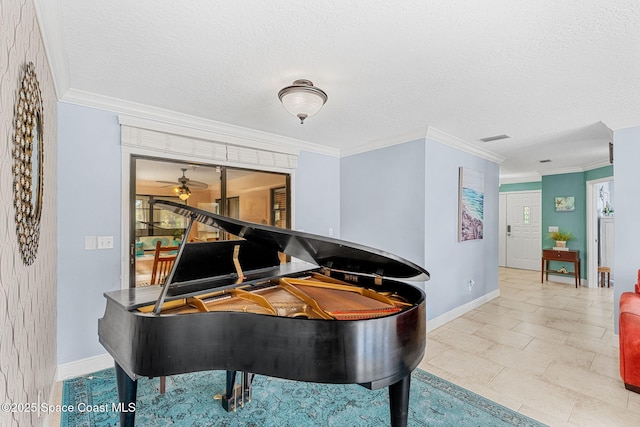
{"points": [[462, 145], [595, 165], [376, 144], [423, 133], [159, 119], [519, 179], [574, 169], [560, 171], [535, 177], [49, 17]]}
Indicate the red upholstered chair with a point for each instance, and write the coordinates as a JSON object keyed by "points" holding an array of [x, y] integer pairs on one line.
{"points": [[629, 325]]}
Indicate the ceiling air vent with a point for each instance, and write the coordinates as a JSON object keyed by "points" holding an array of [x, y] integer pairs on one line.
{"points": [[494, 138]]}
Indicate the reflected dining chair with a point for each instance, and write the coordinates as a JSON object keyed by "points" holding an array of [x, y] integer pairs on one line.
{"points": [[163, 259]]}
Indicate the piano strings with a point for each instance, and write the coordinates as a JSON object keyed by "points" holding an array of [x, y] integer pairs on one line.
{"points": [[316, 296]]}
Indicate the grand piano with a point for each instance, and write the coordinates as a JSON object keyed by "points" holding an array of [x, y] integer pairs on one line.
{"points": [[327, 311]]}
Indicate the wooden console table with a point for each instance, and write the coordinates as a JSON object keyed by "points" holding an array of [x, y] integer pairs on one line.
{"points": [[562, 256]]}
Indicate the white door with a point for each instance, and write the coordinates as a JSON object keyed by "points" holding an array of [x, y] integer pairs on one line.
{"points": [[522, 228]]}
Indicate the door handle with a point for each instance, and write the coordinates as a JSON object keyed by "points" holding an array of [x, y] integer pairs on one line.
{"points": [[508, 230]]}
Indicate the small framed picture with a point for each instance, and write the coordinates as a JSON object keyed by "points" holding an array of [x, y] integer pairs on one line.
{"points": [[565, 204]]}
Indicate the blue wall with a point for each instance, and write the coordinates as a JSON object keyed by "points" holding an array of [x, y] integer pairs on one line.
{"points": [[88, 205], [626, 144], [451, 263], [603, 172], [404, 199], [571, 184], [317, 194], [522, 186], [382, 199]]}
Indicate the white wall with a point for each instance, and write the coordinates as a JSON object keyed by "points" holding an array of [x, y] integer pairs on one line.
{"points": [[627, 231]]}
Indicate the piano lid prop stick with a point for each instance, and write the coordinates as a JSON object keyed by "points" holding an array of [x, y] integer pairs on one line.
{"points": [[158, 307], [236, 263]]}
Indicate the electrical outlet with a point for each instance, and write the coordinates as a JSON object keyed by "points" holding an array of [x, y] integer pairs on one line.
{"points": [[105, 242], [552, 229], [471, 283]]}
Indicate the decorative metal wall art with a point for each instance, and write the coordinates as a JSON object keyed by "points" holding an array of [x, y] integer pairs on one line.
{"points": [[28, 160]]}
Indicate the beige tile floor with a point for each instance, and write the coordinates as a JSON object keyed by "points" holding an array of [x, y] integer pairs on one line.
{"points": [[545, 350]]}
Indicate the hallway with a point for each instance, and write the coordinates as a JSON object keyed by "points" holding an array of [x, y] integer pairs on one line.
{"points": [[545, 350]]}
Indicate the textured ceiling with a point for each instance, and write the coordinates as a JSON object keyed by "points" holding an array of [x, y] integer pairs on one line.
{"points": [[556, 76]]}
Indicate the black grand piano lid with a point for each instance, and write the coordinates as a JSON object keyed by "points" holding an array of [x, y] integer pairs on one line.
{"points": [[320, 250]]}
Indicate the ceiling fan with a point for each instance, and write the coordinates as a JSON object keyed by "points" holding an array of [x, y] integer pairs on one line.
{"points": [[182, 186]]}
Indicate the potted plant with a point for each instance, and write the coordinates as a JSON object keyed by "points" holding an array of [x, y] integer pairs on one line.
{"points": [[560, 237], [177, 237]]}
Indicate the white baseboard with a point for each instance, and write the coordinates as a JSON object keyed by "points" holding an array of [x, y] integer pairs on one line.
{"points": [[84, 366], [436, 322]]}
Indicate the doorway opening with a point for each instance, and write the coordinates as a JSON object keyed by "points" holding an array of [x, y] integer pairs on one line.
{"points": [[600, 228], [250, 195]]}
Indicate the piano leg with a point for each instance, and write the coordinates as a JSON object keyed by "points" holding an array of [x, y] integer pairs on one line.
{"points": [[237, 395], [399, 402], [229, 399], [127, 391]]}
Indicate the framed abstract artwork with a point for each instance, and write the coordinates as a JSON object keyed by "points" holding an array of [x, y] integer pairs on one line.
{"points": [[470, 204]]}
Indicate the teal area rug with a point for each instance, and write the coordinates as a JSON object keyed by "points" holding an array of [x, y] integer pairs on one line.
{"points": [[188, 401]]}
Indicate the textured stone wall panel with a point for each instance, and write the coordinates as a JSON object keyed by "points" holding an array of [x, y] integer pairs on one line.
{"points": [[27, 293]]}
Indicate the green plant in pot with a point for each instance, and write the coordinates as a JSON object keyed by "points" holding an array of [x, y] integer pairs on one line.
{"points": [[560, 237]]}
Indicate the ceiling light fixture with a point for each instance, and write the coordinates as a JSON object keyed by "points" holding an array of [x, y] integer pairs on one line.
{"points": [[302, 99], [182, 191]]}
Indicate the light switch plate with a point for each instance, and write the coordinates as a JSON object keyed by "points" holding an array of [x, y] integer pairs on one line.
{"points": [[552, 228], [90, 243]]}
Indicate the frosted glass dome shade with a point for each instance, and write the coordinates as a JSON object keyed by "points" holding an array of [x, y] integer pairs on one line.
{"points": [[302, 99]]}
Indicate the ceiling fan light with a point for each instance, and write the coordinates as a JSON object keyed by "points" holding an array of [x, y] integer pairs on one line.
{"points": [[183, 192], [302, 99]]}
